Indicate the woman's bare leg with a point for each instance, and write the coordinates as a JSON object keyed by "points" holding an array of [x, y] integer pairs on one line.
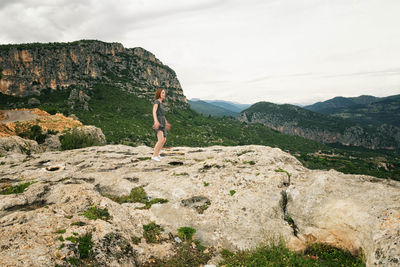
{"points": [[159, 144]]}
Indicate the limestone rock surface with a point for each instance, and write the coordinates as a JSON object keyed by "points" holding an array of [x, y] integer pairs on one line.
{"points": [[235, 197], [16, 144]]}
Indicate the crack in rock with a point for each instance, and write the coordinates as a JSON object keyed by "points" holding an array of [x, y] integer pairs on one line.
{"points": [[286, 215]]}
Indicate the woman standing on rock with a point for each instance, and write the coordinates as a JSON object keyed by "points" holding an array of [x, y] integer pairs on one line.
{"points": [[160, 125]]}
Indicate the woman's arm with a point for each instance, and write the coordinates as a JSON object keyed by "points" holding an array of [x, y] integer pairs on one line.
{"points": [[167, 125], [156, 122]]}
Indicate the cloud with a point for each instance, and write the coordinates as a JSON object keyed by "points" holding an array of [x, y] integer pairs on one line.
{"points": [[245, 51]]}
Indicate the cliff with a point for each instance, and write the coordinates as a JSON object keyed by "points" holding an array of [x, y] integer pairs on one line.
{"points": [[235, 198], [28, 69], [292, 120]]}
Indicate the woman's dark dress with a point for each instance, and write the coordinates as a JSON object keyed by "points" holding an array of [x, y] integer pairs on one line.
{"points": [[160, 118]]}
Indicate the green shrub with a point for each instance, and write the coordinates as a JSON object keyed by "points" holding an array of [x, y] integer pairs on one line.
{"points": [[17, 189], [232, 192], [76, 139], [151, 232], [137, 195], [135, 239], [280, 255], [85, 245], [34, 133], [94, 213], [79, 223], [186, 233]]}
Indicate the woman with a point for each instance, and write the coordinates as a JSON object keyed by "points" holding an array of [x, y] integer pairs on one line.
{"points": [[161, 124]]}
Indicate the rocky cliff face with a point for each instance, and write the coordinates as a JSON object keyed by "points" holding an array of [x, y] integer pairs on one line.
{"points": [[385, 136], [274, 197], [29, 69]]}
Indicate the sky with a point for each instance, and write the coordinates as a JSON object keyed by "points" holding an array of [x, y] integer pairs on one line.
{"points": [[280, 51]]}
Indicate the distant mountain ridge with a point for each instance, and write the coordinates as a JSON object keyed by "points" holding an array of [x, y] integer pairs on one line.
{"points": [[294, 120], [341, 102], [229, 105], [208, 109], [217, 108], [364, 110]]}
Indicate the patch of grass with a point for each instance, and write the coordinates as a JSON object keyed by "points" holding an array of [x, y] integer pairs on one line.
{"points": [[186, 233], [73, 260], [280, 255], [206, 184], [79, 223], [61, 231], [94, 213], [61, 238], [232, 192], [135, 239], [203, 207], [187, 254], [323, 253], [71, 238], [137, 195], [251, 162], [61, 246], [17, 189], [152, 232], [85, 245]]}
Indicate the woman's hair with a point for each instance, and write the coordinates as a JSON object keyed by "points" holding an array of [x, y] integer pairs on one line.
{"points": [[158, 94]]}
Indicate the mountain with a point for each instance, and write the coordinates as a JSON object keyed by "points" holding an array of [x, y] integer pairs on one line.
{"points": [[363, 110], [341, 102], [293, 120], [207, 109], [29, 69], [232, 106]]}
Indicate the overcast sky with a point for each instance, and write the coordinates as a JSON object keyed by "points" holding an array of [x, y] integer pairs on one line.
{"points": [[282, 51]]}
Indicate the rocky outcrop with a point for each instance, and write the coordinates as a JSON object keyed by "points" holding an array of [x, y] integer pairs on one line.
{"points": [[27, 69], [14, 122], [93, 132], [20, 122], [384, 136], [16, 144], [235, 197]]}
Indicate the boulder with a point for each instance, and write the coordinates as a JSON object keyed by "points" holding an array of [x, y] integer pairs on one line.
{"points": [[93, 132], [52, 143], [16, 144]]}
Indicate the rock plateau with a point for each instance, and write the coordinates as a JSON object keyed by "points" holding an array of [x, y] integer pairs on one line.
{"points": [[355, 212]]}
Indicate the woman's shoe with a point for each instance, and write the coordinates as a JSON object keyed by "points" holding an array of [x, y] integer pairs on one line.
{"points": [[156, 159]]}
